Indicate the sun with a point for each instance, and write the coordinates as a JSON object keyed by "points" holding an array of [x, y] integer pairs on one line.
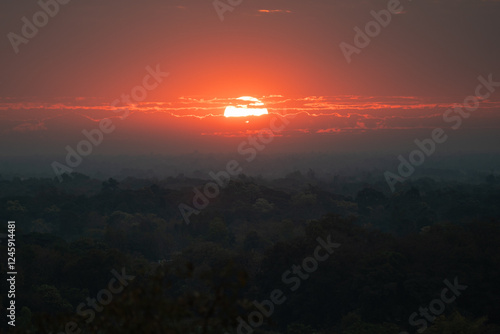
{"points": [[246, 106]]}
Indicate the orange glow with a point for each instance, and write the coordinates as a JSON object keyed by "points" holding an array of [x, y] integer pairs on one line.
{"points": [[247, 106]]}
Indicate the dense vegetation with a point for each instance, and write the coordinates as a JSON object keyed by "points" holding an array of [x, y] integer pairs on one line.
{"points": [[393, 255]]}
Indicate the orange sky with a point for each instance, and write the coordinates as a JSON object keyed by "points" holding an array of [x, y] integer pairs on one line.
{"points": [[100, 48], [285, 53]]}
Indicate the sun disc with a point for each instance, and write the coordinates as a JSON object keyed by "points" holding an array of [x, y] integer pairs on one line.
{"points": [[246, 106]]}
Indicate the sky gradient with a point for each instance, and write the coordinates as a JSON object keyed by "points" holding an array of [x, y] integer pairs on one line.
{"points": [[66, 78]]}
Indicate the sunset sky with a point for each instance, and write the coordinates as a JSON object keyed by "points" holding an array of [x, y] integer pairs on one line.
{"points": [[285, 53]]}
